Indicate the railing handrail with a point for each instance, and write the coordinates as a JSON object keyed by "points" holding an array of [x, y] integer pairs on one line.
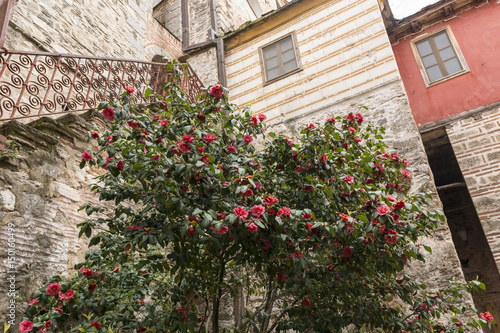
{"points": [[34, 83]]}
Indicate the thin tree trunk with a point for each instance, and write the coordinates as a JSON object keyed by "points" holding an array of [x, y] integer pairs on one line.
{"points": [[216, 302]]}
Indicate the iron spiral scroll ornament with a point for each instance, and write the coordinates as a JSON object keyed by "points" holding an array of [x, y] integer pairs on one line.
{"points": [[38, 83]]}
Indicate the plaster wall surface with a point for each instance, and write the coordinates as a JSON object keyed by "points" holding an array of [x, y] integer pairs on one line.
{"points": [[347, 62], [476, 32], [476, 143]]}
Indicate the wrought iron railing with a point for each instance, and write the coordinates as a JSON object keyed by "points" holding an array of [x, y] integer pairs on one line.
{"points": [[35, 83]]}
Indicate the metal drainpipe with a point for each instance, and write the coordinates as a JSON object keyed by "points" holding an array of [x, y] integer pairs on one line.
{"points": [[5, 13]]}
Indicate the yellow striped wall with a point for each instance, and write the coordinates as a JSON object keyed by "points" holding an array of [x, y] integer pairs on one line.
{"points": [[343, 48]]}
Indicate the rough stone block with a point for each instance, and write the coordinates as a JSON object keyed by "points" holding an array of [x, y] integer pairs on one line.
{"points": [[7, 200], [68, 192]]}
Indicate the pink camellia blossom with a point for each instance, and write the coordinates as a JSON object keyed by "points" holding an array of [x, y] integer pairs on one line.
{"points": [[94, 134], [53, 289], [48, 324], [298, 254], [25, 326], [262, 117], [247, 138], [86, 156], [96, 324], [183, 147], [88, 273], [391, 198], [66, 296], [254, 121], [349, 179], [164, 123], [487, 316], [33, 302], [201, 150], [349, 117], [129, 89], [230, 149], [358, 140], [119, 165], [209, 137], [324, 158], [205, 159], [382, 210], [252, 227], [331, 120], [216, 91], [257, 210], [286, 211], [269, 200], [132, 123], [359, 118], [58, 310], [391, 237], [352, 130], [187, 138], [222, 230], [311, 126], [241, 212], [108, 113], [405, 173], [279, 213], [306, 302], [156, 157], [247, 194], [347, 252], [307, 216]]}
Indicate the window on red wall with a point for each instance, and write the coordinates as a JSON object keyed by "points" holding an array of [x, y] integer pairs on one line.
{"points": [[439, 57]]}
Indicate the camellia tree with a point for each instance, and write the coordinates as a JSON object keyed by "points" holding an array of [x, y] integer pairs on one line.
{"points": [[315, 232]]}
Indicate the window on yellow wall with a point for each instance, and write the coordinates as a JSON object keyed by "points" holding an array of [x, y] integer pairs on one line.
{"points": [[280, 58], [439, 57]]}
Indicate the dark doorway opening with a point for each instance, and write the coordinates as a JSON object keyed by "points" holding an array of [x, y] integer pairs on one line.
{"points": [[466, 230]]}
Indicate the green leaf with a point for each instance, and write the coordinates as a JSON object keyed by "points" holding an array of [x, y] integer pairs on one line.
{"points": [[148, 93]]}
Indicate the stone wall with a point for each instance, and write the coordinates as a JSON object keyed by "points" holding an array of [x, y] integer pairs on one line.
{"points": [[476, 143], [115, 28], [41, 190], [160, 42], [205, 66], [168, 12]]}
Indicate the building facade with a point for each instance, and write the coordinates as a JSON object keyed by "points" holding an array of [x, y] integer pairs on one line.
{"points": [[447, 55]]}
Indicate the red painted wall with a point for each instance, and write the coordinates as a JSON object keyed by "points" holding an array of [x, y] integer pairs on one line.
{"points": [[477, 32]]}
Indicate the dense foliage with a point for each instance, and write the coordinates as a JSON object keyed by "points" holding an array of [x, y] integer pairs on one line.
{"points": [[312, 233]]}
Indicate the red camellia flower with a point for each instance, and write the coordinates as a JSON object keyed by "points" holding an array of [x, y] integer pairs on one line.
{"points": [[94, 134], [252, 227], [487, 316], [230, 149], [270, 200], [391, 237], [306, 302], [183, 314], [164, 123], [307, 216], [143, 329], [201, 150], [209, 138], [132, 123], [119, 165], [190, 231], [349, 117], [200, 116], [92, 286], [187, 138], [96, 324], [216, 91], [222, 230], [48, 324], [66, 296], [86, 156], [359, 118], [347, 252], [399, 205], [25, 326], [324, 158], [352, 130], [382, 210], [33, 302], [349, 179], [88, 273], [331, 120], [108, 113], [262, 117], [183, 147], [257, 210], [458, 323], [247, 138], [286, 211], [156, 157], [129, 89], [254, 121], [241, 212], [58, 310], [53, 289]]}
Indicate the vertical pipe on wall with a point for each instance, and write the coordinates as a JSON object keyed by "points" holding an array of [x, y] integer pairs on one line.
{"points": [[5, 12]]}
